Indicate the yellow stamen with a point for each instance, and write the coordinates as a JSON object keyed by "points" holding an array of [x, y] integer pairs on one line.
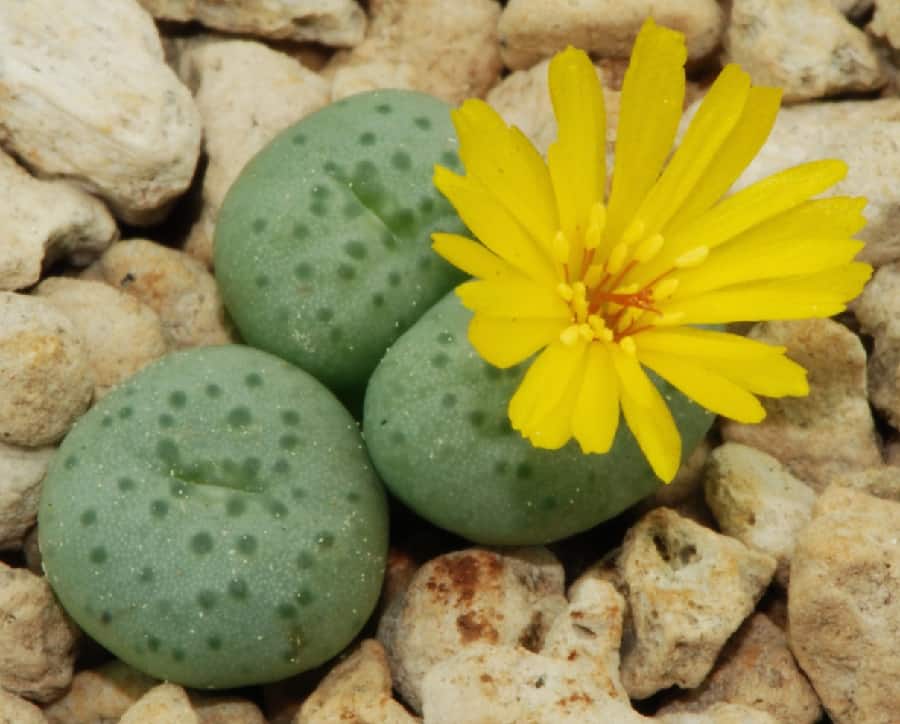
{"points": [[593, 276], [634, 231], [669, 319], [627, 289], [617, 258], [596, 225], [561, 247], [650, 248], [627, 345], [570, 334], [565, 291], [587, 334], [694, 257], [665, 289], [579, 301]]}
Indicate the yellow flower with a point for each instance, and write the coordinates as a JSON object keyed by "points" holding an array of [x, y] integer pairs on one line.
{"points": [[608, 286]]}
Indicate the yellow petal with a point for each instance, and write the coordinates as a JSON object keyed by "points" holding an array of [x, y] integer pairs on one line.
{"points": [[506, 342], [577, 157], [758, 367], [506, 162], [470, 256], [736, 153], [554, 429], [714, 392], [596, 415], [837, 217], [755, 259], [513, 297], [647, 416], [493, 225], [651, 104], [814, 295], [710, 128]]}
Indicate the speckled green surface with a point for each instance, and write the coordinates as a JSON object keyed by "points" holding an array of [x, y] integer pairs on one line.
{"points": [[437, 429], [216, 521], [322, 247]]}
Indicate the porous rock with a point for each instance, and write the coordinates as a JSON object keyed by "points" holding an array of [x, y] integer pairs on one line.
{"points": [[163, 704], [357, 689], [853, 8], [755, 669], [485, 683], [16, 710], [37, 640], [331, 22], [88, 97], [448, 50], [806, 47], [173, 284], [886, 22], [225, 710], [882, 482], [21, 472], [531, 30], [801, 432], [720, 714], [878, 312], [844, 605], [864, 135], [44, 221], [756, 500], [45, 378], [688, 589], [121, 334], [100, 695], [466, 597], [246, 93]]}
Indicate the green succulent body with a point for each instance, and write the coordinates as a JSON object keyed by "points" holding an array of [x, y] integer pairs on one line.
{"points": [[437, 429], [215, 521]]}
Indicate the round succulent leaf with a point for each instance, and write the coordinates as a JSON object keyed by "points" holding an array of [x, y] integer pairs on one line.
{"points": [[438, 432], [322, 246], [215, 521]]}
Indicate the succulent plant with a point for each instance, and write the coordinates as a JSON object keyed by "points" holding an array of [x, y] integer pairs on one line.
{"points": [[322, 247], [438, 432], [215, 520]]}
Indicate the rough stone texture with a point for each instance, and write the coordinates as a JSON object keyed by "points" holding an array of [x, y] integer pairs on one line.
{"points": [[163, 704], [449, 50], [806, 47], [882, 482], [756, 500], [88, 96], [485, 684], [688, 589], [32, 552], [844, 605], [121, 335], [246, 93], [174, 285], [44, 221], [720, 714], [801, 432], [466, 597], [226, 710], [21, 472], [852, 8], [878, 312], [100, 695], [862, 133], [331, 22], [15, 710], [588, 635], [755, 669], [531, 30], [886, 22], [37, 640], [357, 689], [45, 379]]}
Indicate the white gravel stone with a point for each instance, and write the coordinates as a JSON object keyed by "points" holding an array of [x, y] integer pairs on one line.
{"points": [[121, 334], [100, 695], [803, 432], [844, 605], [44, 221], [45, 377], [15, 710], [756, 500], [882, 482], [22, 471], [806, 47], [358, 689], [688, 589], [449, 50], [863, 134], [37, 640], [721, 714], [246, 93], [174, 285], [886, 22], [163, 704], [531, 30], [852, 8], [331, 22], [466, 597], [225, 710], [88, 96]]}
